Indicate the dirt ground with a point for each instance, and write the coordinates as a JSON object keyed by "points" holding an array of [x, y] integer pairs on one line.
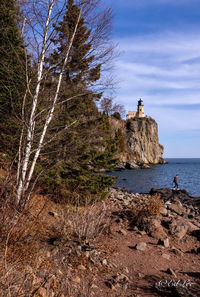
{"points": [[147, 271]]}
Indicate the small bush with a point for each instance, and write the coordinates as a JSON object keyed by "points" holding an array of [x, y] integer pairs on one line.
{"points": [[154, 205], [150, 206], [89, 222], [117, 115]]}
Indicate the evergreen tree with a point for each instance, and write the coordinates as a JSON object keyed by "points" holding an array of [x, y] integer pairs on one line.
{"points": [[87, 147], [12, 76], [79, 73]]}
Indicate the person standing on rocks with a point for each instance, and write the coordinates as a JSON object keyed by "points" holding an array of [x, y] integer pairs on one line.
{"points": [[175, 181]]}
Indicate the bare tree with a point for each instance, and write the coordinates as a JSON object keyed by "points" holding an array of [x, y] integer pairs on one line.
{"points": [[109, 107]]}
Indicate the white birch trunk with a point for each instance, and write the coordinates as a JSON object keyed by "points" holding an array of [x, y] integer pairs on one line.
{"points": [[30, 132], [50, 114]]}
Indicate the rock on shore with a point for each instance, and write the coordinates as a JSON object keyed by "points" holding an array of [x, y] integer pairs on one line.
{"points": [[179, 214]]}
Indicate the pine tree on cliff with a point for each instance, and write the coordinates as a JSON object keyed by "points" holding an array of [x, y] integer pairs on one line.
{"points": [[12, 76], [88, 145]]}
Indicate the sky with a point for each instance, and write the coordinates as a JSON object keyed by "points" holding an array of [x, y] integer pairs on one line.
{"points": [[159, 61]]}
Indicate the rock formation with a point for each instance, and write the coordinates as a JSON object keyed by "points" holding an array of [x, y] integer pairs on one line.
{"points": [[138, 142]]}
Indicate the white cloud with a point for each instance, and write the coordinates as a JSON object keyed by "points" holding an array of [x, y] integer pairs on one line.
{"points": [[167, 66], [180, 46]]}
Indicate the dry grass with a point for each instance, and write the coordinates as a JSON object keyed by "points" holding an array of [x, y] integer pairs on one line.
{"points": [[90, 221], [26, 249], [154, 205], [146, 208]]}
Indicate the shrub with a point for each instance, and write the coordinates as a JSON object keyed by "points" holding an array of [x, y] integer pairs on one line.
{"points": [[117, 115], [154, 205], [64, 184], [88, 222], [146, 208]]}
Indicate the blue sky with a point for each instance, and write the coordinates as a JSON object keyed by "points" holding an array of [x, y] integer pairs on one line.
{"points": [[159, 61]]}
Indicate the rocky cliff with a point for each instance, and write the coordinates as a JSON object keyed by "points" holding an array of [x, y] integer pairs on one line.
{"points": [[138, 142]]}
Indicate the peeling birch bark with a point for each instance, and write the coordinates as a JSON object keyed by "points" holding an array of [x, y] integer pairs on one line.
{"points": [[50, 115], [30, 132]]}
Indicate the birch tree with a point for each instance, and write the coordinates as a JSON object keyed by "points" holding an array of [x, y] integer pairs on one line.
{"points": [[27, 165], [39, 31]]}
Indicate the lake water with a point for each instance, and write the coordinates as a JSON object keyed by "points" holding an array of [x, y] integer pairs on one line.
{"points": [[161, 176]]}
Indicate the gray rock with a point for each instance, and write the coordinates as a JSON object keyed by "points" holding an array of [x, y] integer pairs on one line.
{"points": [[163, 211], [178, 209], [179, 229], [141, 246], [104, 262], [164, 242]]}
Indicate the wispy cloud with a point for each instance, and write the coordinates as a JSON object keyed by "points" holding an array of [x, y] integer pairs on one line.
{"points": [[167, 66]]}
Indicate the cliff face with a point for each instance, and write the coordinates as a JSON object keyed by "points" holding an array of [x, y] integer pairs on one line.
{"points": [[138, 143]]}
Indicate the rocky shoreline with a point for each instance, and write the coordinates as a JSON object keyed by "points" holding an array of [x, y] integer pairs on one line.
{"points": [[130, 245], [177, 221], [178, 215]]}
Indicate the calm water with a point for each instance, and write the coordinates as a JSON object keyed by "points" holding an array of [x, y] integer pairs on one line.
{"points": [[161, 176]]}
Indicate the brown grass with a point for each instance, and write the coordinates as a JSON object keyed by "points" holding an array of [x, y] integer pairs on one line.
{"points": [[26, 246], [146, 208]]}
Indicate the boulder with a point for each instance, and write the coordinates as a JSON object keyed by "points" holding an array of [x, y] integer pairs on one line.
{"points": [[177, 208], [141, 246], [164, 211], [179, 228], [170, 194], [164, 242], [155, 229]]}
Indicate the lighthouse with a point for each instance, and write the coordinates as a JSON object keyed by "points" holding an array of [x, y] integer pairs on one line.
{"points": [[139, 113], [140, 109]]}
